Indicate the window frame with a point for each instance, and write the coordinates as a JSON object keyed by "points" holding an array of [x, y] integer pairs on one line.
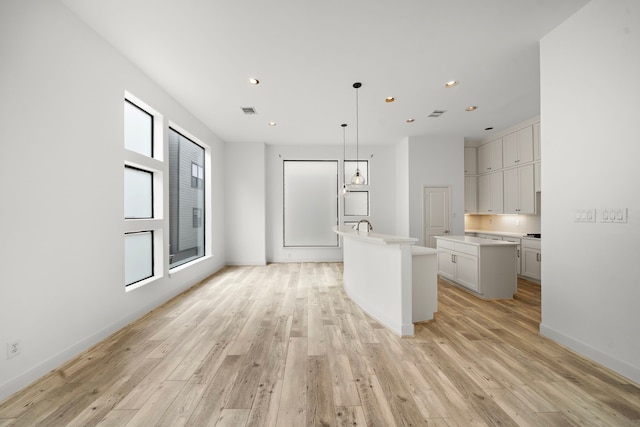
{"points": [[284, 202], [155, 166], [205, 198]]}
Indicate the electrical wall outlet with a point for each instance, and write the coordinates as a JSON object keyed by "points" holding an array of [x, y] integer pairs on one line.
{"points": [[13, 349]]}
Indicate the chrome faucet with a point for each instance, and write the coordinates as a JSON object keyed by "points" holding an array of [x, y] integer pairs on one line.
{"points": [[366, 222]]}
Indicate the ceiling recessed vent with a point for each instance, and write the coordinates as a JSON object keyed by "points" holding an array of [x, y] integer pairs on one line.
{"points": [[437, 113], [248, 110]]}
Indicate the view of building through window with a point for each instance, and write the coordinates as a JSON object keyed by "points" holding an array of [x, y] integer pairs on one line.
{"points": [[186, 199]]}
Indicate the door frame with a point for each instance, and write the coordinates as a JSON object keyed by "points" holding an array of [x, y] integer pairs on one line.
{"points": [[424, 213]]}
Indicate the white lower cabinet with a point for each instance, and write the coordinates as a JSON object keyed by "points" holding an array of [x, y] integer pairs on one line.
{"points": [[518, 252], [484, 267], [531, 259], [459, 267]]}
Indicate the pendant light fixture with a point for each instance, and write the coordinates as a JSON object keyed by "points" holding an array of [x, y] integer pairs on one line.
{"points": [[345, 190], [357, 179]]}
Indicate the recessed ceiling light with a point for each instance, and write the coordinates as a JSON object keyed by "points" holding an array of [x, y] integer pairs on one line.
{"points": [[254, 81], [451, 83], [488, 128], [410, 120], [471, 108], [272, 123], [389, 99]]}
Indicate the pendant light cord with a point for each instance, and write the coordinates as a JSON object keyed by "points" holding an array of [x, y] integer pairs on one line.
{"points": [[357, 132]]}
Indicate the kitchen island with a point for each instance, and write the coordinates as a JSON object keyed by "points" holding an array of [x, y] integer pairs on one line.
{"points": [[390, 278], [485, 267]]}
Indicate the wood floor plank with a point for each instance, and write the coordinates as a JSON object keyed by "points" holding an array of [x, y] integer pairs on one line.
{"points": [[232, 418], [283, 345], [349, 416], [183, 406], [154, 408], [320, 410], [264, 411], [117, 418], [293, 400], [345, 392], [216, 393]]}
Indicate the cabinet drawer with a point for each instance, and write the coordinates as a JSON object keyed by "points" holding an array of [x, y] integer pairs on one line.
{"points": [[445, 244], [530, 243], [466, 249]]}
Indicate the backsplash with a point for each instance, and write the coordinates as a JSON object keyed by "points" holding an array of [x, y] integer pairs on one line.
{"points": [[509, 223]]}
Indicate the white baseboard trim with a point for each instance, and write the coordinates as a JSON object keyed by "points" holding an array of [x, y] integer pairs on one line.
{"points": [[619, 366]]}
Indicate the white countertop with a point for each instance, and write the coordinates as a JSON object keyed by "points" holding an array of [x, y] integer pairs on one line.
{"points": [[503, 233], [384, 239], [477, 241], [422, 250]]}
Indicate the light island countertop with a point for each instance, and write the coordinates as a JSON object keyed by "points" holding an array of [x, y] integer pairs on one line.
{"points": [[384, 239], [477, 241]]}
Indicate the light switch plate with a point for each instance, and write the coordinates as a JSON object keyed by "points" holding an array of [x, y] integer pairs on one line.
{"points": [[585, 215], [610, 215]]}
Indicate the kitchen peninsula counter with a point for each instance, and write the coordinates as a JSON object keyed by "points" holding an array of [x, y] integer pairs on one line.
{"points": [[390, 278]]}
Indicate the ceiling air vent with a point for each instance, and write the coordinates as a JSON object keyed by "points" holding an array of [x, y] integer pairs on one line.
{"points": [[248, 110], [437, 113]]}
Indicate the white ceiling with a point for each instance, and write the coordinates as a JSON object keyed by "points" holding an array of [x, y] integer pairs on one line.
{"points": [[307, 54]]}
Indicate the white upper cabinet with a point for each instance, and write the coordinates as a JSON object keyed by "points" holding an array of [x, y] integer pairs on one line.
{"points": [[470, 194], [536, 142], [470, 161], [519, 193], [517, 147], [490, 156], [490, 193]]}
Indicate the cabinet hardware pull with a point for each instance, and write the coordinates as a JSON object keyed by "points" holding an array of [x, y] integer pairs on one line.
{"points": [[518, 253]]}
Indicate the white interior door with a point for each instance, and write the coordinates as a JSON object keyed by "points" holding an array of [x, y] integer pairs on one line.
{"points": [[436, 214]]}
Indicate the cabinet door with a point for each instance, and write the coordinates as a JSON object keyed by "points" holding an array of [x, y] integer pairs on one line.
{"points": [[536, 142], [526, 190], [484, 160], [531, 262], [446, 266], [518, 251], [536, 177], [495, 154], [511, 190], [470, 194], [467, 271], [525, 145], [510, 149], [497, 202], [484, 193], [470, 161]]}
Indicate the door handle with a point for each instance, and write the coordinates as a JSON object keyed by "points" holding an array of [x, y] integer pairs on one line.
{"points": [[447, 231]]}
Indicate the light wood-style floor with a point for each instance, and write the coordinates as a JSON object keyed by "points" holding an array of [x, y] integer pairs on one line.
{"points": [[282, 345]]}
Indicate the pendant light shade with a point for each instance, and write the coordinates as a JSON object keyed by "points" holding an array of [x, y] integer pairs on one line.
{"points": [[357, 179], [345, 190]]}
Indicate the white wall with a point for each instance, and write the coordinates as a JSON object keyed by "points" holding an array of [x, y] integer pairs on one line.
{"points": [[381, 197], [589, 113], [435, 161], [61, 175], [402, 188], [245, 204]]}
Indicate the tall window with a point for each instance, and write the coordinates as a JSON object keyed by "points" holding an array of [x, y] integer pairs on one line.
{"points": [[310, 203], [186, 199], [140, 173], [356, 203]]}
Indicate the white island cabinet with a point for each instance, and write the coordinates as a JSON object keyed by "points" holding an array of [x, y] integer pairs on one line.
{"points": [[485, 267], [390, 278]]}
